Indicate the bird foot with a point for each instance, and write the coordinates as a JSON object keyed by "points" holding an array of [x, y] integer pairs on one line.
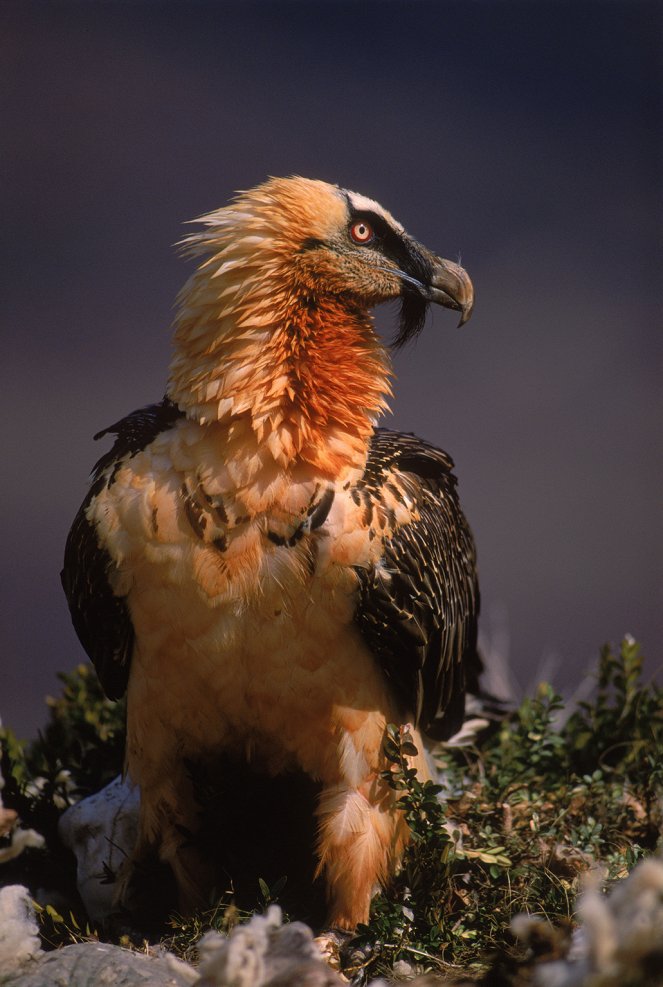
{"points": [[330, 942]]}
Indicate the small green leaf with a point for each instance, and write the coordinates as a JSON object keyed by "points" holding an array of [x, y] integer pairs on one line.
{"points": [[264, 889]]}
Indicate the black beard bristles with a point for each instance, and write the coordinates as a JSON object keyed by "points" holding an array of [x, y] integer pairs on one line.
{"points": [[412, 318], [414, 307]]}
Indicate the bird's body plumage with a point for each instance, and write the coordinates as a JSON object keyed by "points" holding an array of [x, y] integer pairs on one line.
{"points": [[270, 576]]}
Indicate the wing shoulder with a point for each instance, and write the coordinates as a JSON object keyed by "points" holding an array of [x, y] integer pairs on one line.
{"points": [[100, 618], [419, 603]]}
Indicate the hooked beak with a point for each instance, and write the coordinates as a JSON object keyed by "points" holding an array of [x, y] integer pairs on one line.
{"points": [[428, 278], [451, 287]]}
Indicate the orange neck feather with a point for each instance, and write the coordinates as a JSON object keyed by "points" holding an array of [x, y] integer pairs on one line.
{"points": [[308, 374]]}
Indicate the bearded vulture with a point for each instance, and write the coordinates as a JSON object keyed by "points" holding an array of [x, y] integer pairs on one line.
{"points": [[269, 576]]}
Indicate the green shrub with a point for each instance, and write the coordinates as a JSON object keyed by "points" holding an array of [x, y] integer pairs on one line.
{"points": [[543, 799]]}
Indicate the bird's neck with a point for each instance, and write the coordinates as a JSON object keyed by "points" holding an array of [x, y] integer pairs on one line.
{"points": [[308, 375]]}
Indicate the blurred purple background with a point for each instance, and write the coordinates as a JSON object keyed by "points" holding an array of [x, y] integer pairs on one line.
{"points": [[523, 137]]}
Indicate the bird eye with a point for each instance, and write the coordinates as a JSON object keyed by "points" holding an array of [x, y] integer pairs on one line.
{"points": [[361, 232]]}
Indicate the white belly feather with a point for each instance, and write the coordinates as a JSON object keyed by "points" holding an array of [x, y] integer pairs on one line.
{"points": [[241, 643]]}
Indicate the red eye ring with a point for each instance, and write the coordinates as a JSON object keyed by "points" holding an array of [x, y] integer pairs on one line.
{"points": [[361, 232]]}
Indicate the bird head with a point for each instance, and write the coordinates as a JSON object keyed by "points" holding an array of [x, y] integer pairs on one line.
{"points": [[274, 329], [325, 241]]}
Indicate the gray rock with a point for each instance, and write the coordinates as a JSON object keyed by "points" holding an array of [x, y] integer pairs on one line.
{"points": [[97, 964], [101, 830]]}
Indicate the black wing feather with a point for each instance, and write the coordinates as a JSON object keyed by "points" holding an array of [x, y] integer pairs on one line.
{"points": [[100, 618], [419, 606]]}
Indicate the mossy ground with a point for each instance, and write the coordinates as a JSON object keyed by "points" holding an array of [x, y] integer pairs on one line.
{"points": [[524, 814]]}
